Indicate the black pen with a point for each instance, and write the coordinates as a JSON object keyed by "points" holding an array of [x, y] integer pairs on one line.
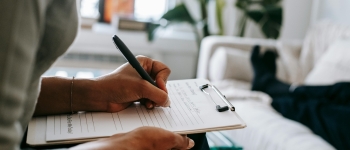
{"points": [[129, 56], [131, 59]]}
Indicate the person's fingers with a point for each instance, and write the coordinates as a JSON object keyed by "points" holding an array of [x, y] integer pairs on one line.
{"points": [[154, 94], [161, 84], [157, 70], [149, 104], [183, 142], [190, 143], [114, 107], [160, 72]]}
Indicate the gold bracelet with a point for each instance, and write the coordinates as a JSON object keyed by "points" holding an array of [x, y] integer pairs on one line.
{"points": [[71, 95]]}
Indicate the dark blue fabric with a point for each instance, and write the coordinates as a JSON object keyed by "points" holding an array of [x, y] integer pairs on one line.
{"points": [[200, 141], [324, 109]]}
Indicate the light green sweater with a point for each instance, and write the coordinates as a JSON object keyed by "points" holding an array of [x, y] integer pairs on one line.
{"points": [[33, 34]]}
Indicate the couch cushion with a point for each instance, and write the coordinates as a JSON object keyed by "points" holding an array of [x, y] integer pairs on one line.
{"points": [[289, 53], [333, 66], [232, 63], [317, 41]]}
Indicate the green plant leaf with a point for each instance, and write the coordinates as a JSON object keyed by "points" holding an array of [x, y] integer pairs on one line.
{"points": [[255, 15], [270, 29], [241, 4], [151, 28], [204, 14], [268, 15], [179, 14], [275, 13], [242, 24], [220, 4], [269, 2], [203, 5], [205, 29]]}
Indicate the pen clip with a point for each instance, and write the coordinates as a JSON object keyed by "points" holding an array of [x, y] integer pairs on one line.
{"points": [[222, 97]]}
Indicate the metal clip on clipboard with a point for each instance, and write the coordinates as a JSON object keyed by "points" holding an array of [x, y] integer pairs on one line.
{"points": [[223, 98]]}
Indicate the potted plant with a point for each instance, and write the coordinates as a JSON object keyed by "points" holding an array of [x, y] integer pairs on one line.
{"points": [[266, 13]]}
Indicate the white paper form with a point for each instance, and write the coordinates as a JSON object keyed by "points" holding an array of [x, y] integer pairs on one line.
{"points": [[191, 111]]}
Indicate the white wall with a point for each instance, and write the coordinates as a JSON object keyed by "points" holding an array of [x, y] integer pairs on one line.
{"points": [[299, 15], [296, 18], [334, 10]]}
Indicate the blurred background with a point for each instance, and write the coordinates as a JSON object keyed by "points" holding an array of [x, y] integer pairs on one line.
{"points": [[171, 30]]}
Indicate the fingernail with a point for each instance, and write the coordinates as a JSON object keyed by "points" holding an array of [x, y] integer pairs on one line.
{"points": [[167, 104], [190, 144], [149, 105]]}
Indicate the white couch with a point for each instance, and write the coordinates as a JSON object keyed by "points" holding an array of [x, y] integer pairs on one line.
{"points": [[225, 61]]}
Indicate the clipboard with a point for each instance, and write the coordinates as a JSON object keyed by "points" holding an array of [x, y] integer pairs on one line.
{"points": [[222, 97], [189, 97]]}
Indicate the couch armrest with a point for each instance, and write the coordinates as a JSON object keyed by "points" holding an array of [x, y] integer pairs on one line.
{"points": [[210, 44]]}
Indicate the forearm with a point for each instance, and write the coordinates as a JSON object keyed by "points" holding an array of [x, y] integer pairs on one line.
{"points": [[56, 97]]}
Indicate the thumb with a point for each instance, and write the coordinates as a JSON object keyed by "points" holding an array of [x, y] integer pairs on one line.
{"points": [[156, 95], [183, 142]]}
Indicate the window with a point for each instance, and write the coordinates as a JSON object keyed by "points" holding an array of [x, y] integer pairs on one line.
{"points": [[150, 9], [143, 9], [89, 8]]}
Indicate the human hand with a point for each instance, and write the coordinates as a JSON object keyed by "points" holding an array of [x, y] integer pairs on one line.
{"points": [[145, 138], [124, 86]]}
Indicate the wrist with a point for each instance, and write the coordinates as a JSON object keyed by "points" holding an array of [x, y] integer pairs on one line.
{"points": [[85, 96]]}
